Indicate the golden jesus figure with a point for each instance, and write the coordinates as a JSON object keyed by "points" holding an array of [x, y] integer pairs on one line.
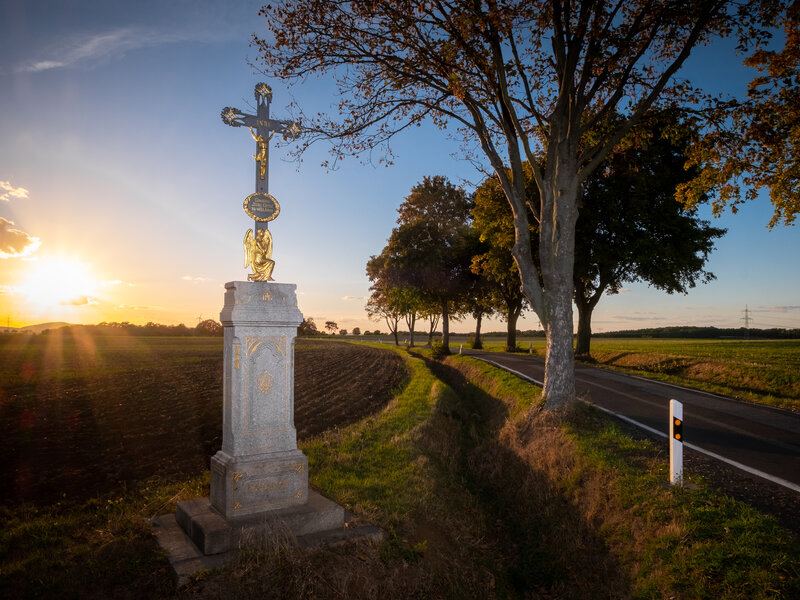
{"points": [[258, 252], [261, 156]]}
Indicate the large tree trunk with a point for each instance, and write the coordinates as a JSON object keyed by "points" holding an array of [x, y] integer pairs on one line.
{"points": [[434, 321], [393, 331], [446, 327], [477, 343], [511, 330], [584, 329], [411, 320], [551, 295], [559, 194]]}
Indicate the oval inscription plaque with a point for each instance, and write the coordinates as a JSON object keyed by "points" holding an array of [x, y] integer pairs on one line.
{"points": [[261, 206]]}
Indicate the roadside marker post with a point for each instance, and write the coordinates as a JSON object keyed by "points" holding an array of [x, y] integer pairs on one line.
{"points": [[675, 442], [530, 348], [461, 348]]}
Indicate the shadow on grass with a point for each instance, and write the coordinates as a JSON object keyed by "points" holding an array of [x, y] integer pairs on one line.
{"points": [[548, 547]]}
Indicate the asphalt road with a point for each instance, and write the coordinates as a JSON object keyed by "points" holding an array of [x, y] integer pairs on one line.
{"points": [[759, 437]]}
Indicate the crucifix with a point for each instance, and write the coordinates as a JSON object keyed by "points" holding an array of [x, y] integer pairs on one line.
{"points": [[261, 206]]}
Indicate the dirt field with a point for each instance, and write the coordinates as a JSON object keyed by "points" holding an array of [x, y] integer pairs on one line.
{"points": [[86, 415]]}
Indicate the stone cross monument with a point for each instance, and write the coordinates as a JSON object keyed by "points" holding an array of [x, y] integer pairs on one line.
{"points": [[259, 477]]}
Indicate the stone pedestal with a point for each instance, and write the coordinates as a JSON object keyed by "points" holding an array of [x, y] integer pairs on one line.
{"points": [[259, 479], [259, 466]]}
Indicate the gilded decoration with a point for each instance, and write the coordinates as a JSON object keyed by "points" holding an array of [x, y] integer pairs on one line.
{"points": [[265, 382], [258, 253]]}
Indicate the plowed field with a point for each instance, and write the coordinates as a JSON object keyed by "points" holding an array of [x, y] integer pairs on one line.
{"points": [[82, 416]]}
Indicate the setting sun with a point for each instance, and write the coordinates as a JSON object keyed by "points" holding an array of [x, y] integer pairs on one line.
{"points": [[59, 282]]}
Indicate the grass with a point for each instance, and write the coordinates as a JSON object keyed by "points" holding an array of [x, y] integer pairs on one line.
{"points": [[101, 548], [481, 494], [767, 372]]}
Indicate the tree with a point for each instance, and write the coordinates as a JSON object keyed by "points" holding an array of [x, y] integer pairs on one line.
{"points": [[382, 302], [343, 332], [760, 145], [493, 220], [331, 327], [432, 314], [307, 327], [208, 327], [357, 331], [631, 228], [514, 76], [425, 263]]}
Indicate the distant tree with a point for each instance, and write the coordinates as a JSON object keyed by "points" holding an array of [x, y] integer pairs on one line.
{"points": [[209, 327], [357, 331], [331, 327], [307, 327], [431, 314], [426, 260], [343, 332], [382, 301]]}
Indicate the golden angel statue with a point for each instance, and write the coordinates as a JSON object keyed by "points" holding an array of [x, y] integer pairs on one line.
{"points": [[258, 252]]}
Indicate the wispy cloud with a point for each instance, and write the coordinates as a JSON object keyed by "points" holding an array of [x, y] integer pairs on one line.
{"points": [[353, 298], [15, 243], [638, 316], [8, 191], [116, 283], [137, 307], [93, 48], [194, 279], [775, 309]]}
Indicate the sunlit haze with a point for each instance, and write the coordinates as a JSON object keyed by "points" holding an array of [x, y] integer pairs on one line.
{"points": [[121, 189]]}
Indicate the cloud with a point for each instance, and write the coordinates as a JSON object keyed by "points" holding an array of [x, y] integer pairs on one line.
{"points": [[353, 298], [15, 243], [134, 307], [194, 279], [638, 316], [116, 283], [79, 301], [775, 309], [88, 49], [8, 191]]}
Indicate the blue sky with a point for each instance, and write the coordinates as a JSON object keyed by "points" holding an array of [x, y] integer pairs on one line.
{"points": [[119, 176]]}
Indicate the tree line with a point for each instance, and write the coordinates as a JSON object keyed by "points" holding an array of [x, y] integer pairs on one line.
{"points": [[308, 328], [710, 333]]}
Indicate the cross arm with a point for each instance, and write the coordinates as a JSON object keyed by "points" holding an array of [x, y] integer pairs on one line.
{"points": [[236, 118]]}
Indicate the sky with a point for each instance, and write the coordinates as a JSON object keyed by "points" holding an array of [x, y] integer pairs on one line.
{"points": [[121, 189]]}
